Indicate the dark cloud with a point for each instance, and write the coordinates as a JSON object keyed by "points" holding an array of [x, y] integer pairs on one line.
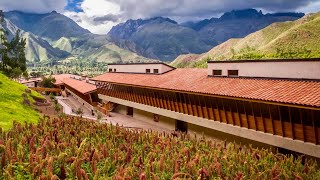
{"points": [[202, 8], [108, 17], [36, 6]]}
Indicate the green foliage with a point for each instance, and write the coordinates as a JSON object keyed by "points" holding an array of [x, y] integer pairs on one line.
{"points": [[12, 55], [57, 108], [79, 112], [203, 63], [52, 97], [47, 82], [72, 148], [11, 107]]}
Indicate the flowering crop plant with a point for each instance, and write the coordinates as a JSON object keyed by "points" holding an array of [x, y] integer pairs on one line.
{"points": [[74, 148]]}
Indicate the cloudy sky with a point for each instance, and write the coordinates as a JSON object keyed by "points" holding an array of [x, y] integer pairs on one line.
{"points": [[99, 16]]}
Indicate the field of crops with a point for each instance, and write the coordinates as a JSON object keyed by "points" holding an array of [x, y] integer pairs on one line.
{"points": [[71, 148]]}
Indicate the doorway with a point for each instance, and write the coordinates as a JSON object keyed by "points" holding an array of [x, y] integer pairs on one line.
{"points": [[181, 126], [129, 111]]}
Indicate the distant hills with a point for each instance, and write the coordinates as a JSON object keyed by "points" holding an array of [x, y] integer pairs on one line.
{"points": [[297, 39], [165, 39], [53, 37], [52, 25]]}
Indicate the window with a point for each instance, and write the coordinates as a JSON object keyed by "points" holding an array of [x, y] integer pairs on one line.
{"points": [[110, 70], [233, 73], [217, 72], [114, 70], [148, 71], [155, 71]]}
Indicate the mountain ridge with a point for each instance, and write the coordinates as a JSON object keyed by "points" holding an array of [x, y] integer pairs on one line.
{"points": [[52, 37], [296, 39], [136, 35]]}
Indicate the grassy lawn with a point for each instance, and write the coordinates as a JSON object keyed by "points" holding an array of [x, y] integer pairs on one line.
{"points": [[11, 107]]}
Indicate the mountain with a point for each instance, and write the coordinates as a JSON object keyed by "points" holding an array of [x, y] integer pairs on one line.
{"points": [[158, 38], [238, 24], [53, 37], [164, 39], [296, 39], [37, 49], [49, 25]]}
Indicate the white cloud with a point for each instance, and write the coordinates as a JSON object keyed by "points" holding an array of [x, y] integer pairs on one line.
{"points": [[181, 10], [312, 7], [92, 9], [99, 16], [39, 6]]}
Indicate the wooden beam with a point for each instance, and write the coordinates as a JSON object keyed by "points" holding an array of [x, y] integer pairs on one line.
{"points": [[144, 98], [245, 112], [290, 118], [168, 101], [172, 102], [185, 106], [166, 105], [156, 99], [224, 111], [199, 107], [315, 128], [154, 102], [219, 113], [270, 114], [206, 112], [263, 120], [302, 125], [280, 118], [232, 116], [190, 105], [239, 116], [254, 117]]}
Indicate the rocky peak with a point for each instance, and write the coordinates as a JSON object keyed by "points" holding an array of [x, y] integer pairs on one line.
{"points": [[239, 14]]}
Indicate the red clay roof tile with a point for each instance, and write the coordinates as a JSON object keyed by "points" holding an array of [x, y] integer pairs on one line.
{"points": [[196, 80], [81, 86]]}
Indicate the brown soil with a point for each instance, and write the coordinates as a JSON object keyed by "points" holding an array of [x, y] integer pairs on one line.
{"points": [[48, 110]]}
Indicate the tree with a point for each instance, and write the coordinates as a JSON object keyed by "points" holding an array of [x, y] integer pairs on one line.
{"points": [[13, 58], [47, 82]]}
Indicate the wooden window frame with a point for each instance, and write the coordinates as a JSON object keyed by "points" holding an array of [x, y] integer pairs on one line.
{"points": [[233, 75], [214, 72]]}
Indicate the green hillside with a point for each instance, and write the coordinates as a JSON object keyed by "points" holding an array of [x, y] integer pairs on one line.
{"points": [[12, 107], [297, 39]]}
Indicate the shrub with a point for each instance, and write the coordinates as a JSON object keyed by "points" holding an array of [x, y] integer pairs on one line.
{"points": [[52, 97]]}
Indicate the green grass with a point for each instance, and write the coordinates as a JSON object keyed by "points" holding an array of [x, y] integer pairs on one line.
{"points": [[11, 107]]}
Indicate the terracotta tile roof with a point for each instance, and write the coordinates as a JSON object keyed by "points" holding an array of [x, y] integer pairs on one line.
{"points": [[196, 80], [60, 77], [23, 81], [81, 86]]}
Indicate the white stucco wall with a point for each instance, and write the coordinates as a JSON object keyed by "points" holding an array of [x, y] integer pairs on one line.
{"points": [[164, 122], [139, 68], [30, 84], [295, 69]]}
